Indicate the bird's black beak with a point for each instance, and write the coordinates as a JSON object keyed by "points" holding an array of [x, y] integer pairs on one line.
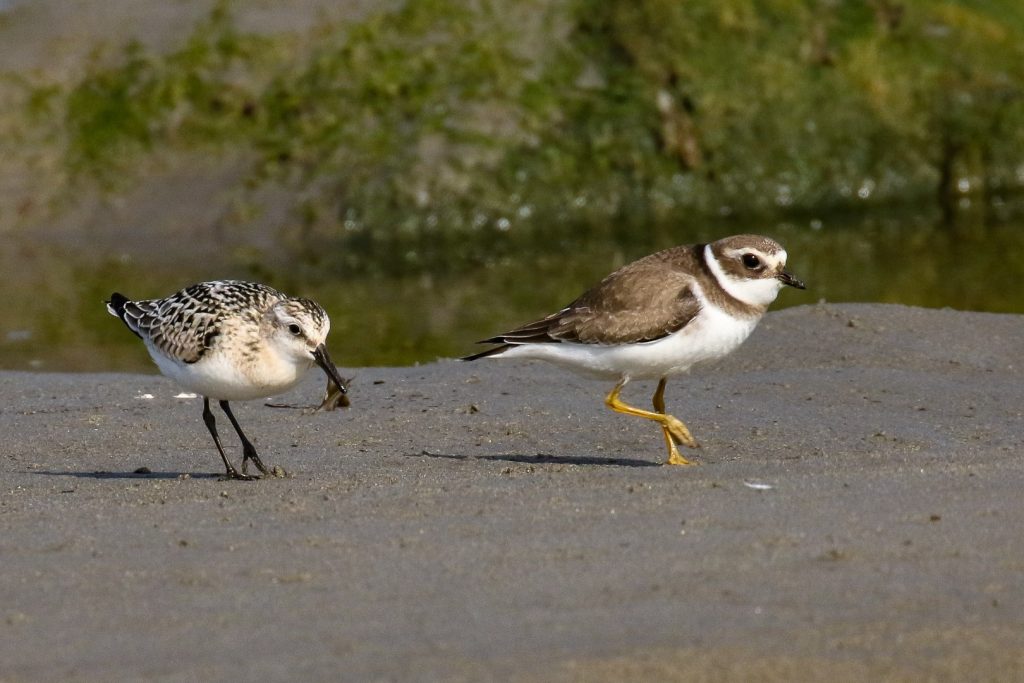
{"points": [[323, 359], [787, 278]]}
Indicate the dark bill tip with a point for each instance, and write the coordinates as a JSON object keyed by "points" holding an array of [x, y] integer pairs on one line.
{"points": [[787, 278], [323, 359]]}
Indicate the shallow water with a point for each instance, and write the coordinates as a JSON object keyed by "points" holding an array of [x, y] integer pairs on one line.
{"points": [[54, 318]]}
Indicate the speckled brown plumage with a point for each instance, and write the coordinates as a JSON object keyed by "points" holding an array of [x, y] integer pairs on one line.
{"points": [[187, 324], [231, 340]]}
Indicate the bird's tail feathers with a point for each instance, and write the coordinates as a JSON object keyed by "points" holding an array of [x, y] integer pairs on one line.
{"points": [[116, 305]]}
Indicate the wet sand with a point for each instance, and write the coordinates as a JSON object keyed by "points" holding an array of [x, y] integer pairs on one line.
{"points": [[856, 515]]}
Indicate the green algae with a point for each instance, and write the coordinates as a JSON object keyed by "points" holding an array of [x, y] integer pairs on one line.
{"points": [[442, 134]]}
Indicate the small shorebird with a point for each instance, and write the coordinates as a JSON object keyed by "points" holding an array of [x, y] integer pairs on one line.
{"points": [[657, 317], [231, 341]]}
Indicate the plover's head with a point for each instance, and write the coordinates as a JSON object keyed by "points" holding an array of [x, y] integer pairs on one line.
{"points": [[751, 268], [298, 330]]}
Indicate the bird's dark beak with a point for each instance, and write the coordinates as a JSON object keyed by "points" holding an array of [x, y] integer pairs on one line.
{"points": [[323, 359], [787, 278]]}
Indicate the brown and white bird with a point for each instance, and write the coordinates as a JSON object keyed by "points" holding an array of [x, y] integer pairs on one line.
{"points": [[231, 341], [657, 317]]}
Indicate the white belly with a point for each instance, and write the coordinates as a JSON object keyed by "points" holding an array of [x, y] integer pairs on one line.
{"points": [[219, 377], [711, 335]]}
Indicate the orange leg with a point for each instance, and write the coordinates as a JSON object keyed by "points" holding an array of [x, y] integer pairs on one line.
{"points": [[673, 429]]}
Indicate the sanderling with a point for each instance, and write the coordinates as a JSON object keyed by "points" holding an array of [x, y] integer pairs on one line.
{"points": [[657, 317], [231, 341]]}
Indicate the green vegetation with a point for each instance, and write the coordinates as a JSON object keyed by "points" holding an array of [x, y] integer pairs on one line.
{"points": [[147, 100], [447, 134]]}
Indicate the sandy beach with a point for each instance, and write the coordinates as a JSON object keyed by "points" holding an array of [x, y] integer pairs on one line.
{"points": [[856, 515]]}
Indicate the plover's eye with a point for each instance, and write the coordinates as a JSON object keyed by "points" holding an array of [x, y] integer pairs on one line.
{"points": [[295, 329], [751, 261]]}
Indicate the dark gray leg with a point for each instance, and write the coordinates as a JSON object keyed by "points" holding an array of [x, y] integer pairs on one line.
{"points": [[248, 450], [211, 424]]}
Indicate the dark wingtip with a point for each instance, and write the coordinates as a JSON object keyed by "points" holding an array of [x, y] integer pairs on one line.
{"points": [[489, 352]]}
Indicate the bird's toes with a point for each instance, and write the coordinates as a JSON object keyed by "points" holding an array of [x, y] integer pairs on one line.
{"points": [[235, 475]]}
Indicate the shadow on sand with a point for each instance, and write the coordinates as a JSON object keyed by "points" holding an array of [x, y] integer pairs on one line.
{"points": [[128, 475], [545, 459]]}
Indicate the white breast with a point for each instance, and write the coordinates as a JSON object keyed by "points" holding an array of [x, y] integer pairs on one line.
{"points": [[220, 376]]}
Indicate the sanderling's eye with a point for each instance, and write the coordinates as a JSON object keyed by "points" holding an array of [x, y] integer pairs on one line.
{"points": [[751, 261], [295, 329]]}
